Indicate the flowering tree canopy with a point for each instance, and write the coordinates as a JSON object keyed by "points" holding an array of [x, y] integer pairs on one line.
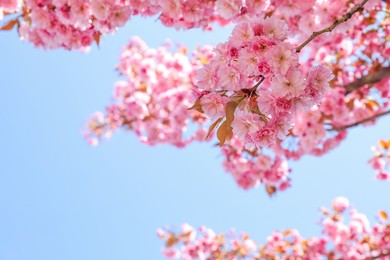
{"points": [[291, 80]]}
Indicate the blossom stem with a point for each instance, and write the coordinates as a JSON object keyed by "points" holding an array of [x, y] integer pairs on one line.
{"points": [[257, 84], [330, 28], [371, 78], [340, 128]]}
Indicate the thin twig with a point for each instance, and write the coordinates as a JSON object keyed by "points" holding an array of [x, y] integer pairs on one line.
{"points": [[340, 128], [257, 84], [371, 78], [330, 28]]}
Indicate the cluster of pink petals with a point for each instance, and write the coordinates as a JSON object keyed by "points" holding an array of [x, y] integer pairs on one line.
{"points": [[154, 98], [380, 160], [203, 244], [9, 7], [271, 123], [75, 24], [250, 169], [257, 51], [350, 240], [71, 24]]}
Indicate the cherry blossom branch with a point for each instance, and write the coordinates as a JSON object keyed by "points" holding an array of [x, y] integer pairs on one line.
{"points": [[371, 78], [330, 28], [340, 128], [257, 84]]}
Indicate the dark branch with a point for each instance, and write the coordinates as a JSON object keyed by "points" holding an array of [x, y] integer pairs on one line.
{"points": [[382, 255], [340, 128], [330, 28], [371, 78]]}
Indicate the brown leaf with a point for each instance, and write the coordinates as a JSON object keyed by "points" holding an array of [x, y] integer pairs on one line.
{"points": [[229, 134], [383, 214], [96, 37], [213, 125], [351, 104], [221, 133], [270, 189], [171, 241], [371, 105], [230, 108], [197, 106], [384, 144], [331, 256], [10, 25], [224, 133]]}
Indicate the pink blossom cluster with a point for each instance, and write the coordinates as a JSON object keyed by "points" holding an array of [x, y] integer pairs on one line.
{"points": [[9, 7], [355, 53], [249, 168], [380, 160], [354, 239], [259, 71], [250, 104], [323, 127], [306, 17], [75, 24], [154, 97], [72, 24], [204, 244]]}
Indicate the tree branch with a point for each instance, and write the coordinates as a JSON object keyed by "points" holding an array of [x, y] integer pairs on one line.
{"points": [[371, 78], [381, 255], [330, 28], [340, 128]]}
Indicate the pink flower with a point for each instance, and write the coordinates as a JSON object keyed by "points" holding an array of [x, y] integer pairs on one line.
{"points": [[265, 137], [228, 8], [248, 62], [206, 77], [383, 175], [171, 253], [359, 222], [282, 124], [172, 8], [261, 45], [340, 204], [245, 123], [319, 78], [213, 105], [271, 105], [100, 9], [289, 86], [282, 57], [275, 27], [377, 163], [264, 68], [189, 231], [256, 5], [229, 78], [242, 34]]}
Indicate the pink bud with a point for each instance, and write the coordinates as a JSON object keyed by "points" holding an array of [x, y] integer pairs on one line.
{"points": [[340, 204]]}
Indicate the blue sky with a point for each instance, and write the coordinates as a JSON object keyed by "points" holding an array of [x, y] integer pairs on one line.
{"points": [[62, 199]]}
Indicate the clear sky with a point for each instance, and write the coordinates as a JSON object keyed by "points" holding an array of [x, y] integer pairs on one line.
{"points": [[61, 199]]}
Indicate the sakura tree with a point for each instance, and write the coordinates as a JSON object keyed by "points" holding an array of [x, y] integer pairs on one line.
{"points": [[291, 80], [355, 239]]}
